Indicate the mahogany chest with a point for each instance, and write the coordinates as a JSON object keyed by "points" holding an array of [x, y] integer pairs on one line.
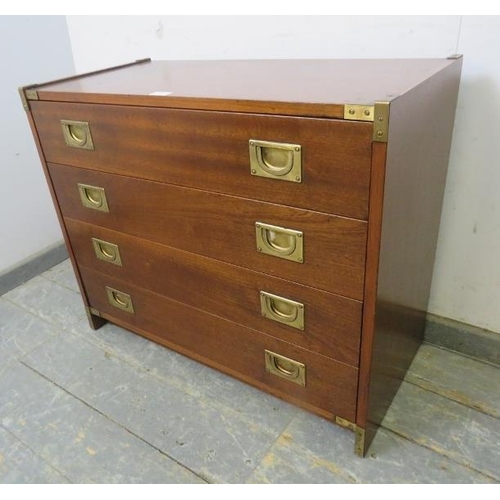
{"points": [[276, 220]]}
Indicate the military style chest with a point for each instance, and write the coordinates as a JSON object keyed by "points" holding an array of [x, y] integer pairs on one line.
{"points": [[276, 220]]}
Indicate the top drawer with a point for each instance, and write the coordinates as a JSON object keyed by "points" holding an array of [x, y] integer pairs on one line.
{"points": [[210, 150]]}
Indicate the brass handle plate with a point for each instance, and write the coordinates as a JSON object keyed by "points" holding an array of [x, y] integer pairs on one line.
{"points": [[286, 368], [93, 197], [279, 241], [77, 134], [282, 310], [120, 300], [276, 160], [108, 252]]}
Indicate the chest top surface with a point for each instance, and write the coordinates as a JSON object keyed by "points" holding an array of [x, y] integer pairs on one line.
{"points": [[315, 87]]}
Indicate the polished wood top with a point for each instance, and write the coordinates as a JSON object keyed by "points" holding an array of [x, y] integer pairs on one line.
{"points": [[316, 87]]}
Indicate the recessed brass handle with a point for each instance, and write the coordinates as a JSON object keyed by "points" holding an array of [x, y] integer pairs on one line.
{"points": [[286, 368], [282, 310], [120, 300], [77, 134], [93, 197], [280, 241], [109, 252], [276, 160]]}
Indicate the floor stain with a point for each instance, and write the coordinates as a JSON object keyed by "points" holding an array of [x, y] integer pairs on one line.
{"points": [[269, 460], [326, 464], [285, 438], [80, 436], [450, 453]]}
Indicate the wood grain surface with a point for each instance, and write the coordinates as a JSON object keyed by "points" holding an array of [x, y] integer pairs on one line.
{"points": [[332, 323], [330, 386], [210, 151], [95, 322], [222, 227], [183, 208], [400, 265], [309, 87]]}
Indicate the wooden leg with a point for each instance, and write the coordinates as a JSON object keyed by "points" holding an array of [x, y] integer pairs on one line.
{"points": [[95, 322]]}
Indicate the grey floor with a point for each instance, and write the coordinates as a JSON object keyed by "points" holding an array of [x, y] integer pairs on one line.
{"points": [[80, 406]]}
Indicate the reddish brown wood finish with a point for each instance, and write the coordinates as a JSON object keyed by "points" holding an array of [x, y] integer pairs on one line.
{"points": [[66, 80], [371, 278], [332, 323], [94, 321], [330, 385], [210, 151], [192, 212], [420, 130], [291, 87], [222, 227]]}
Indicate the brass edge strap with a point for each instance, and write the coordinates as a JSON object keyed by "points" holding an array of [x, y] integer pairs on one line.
{"points": [[27, 94], [93, 310], [359, 112], [23, 98], [31, 94], [378, 114], [359, 445], [381, 121], [359, 433], [345, 423], [26, 88]]}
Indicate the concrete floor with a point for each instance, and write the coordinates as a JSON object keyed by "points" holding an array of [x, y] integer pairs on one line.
{"points": [[80, 406]]}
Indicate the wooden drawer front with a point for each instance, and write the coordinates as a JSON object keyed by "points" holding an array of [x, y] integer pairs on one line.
{"points": [[210, 150], [222, 227], [330, 386], [332, 323]]}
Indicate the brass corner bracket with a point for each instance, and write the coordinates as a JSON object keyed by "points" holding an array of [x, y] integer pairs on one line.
{"points": [[359, 112], [359, 443], [93, 311], [378, 114], [27, 94], [95, 318], [345, 423], [381, 121], [31, 94], [455, 56], [23, 98]]}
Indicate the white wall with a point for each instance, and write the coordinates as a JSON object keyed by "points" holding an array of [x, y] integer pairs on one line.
{"points": [[467, 272], [32, 49], [467, 276]]}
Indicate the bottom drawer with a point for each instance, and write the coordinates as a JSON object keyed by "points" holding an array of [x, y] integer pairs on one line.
{"points": [[317, 383]]}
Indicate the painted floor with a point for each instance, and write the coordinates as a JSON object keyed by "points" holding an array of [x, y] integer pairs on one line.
{"points": [[78, 406]]}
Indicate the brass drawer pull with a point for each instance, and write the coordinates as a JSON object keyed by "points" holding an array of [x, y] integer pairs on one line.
{"points": [[286, 368], [120, 300], [93, 197], [276, 160], [282, 310], [77, 134], [109, 252], [280, 242]]}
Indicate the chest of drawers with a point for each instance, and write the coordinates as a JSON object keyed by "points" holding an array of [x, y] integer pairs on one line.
{"points": [[276, 220]]}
